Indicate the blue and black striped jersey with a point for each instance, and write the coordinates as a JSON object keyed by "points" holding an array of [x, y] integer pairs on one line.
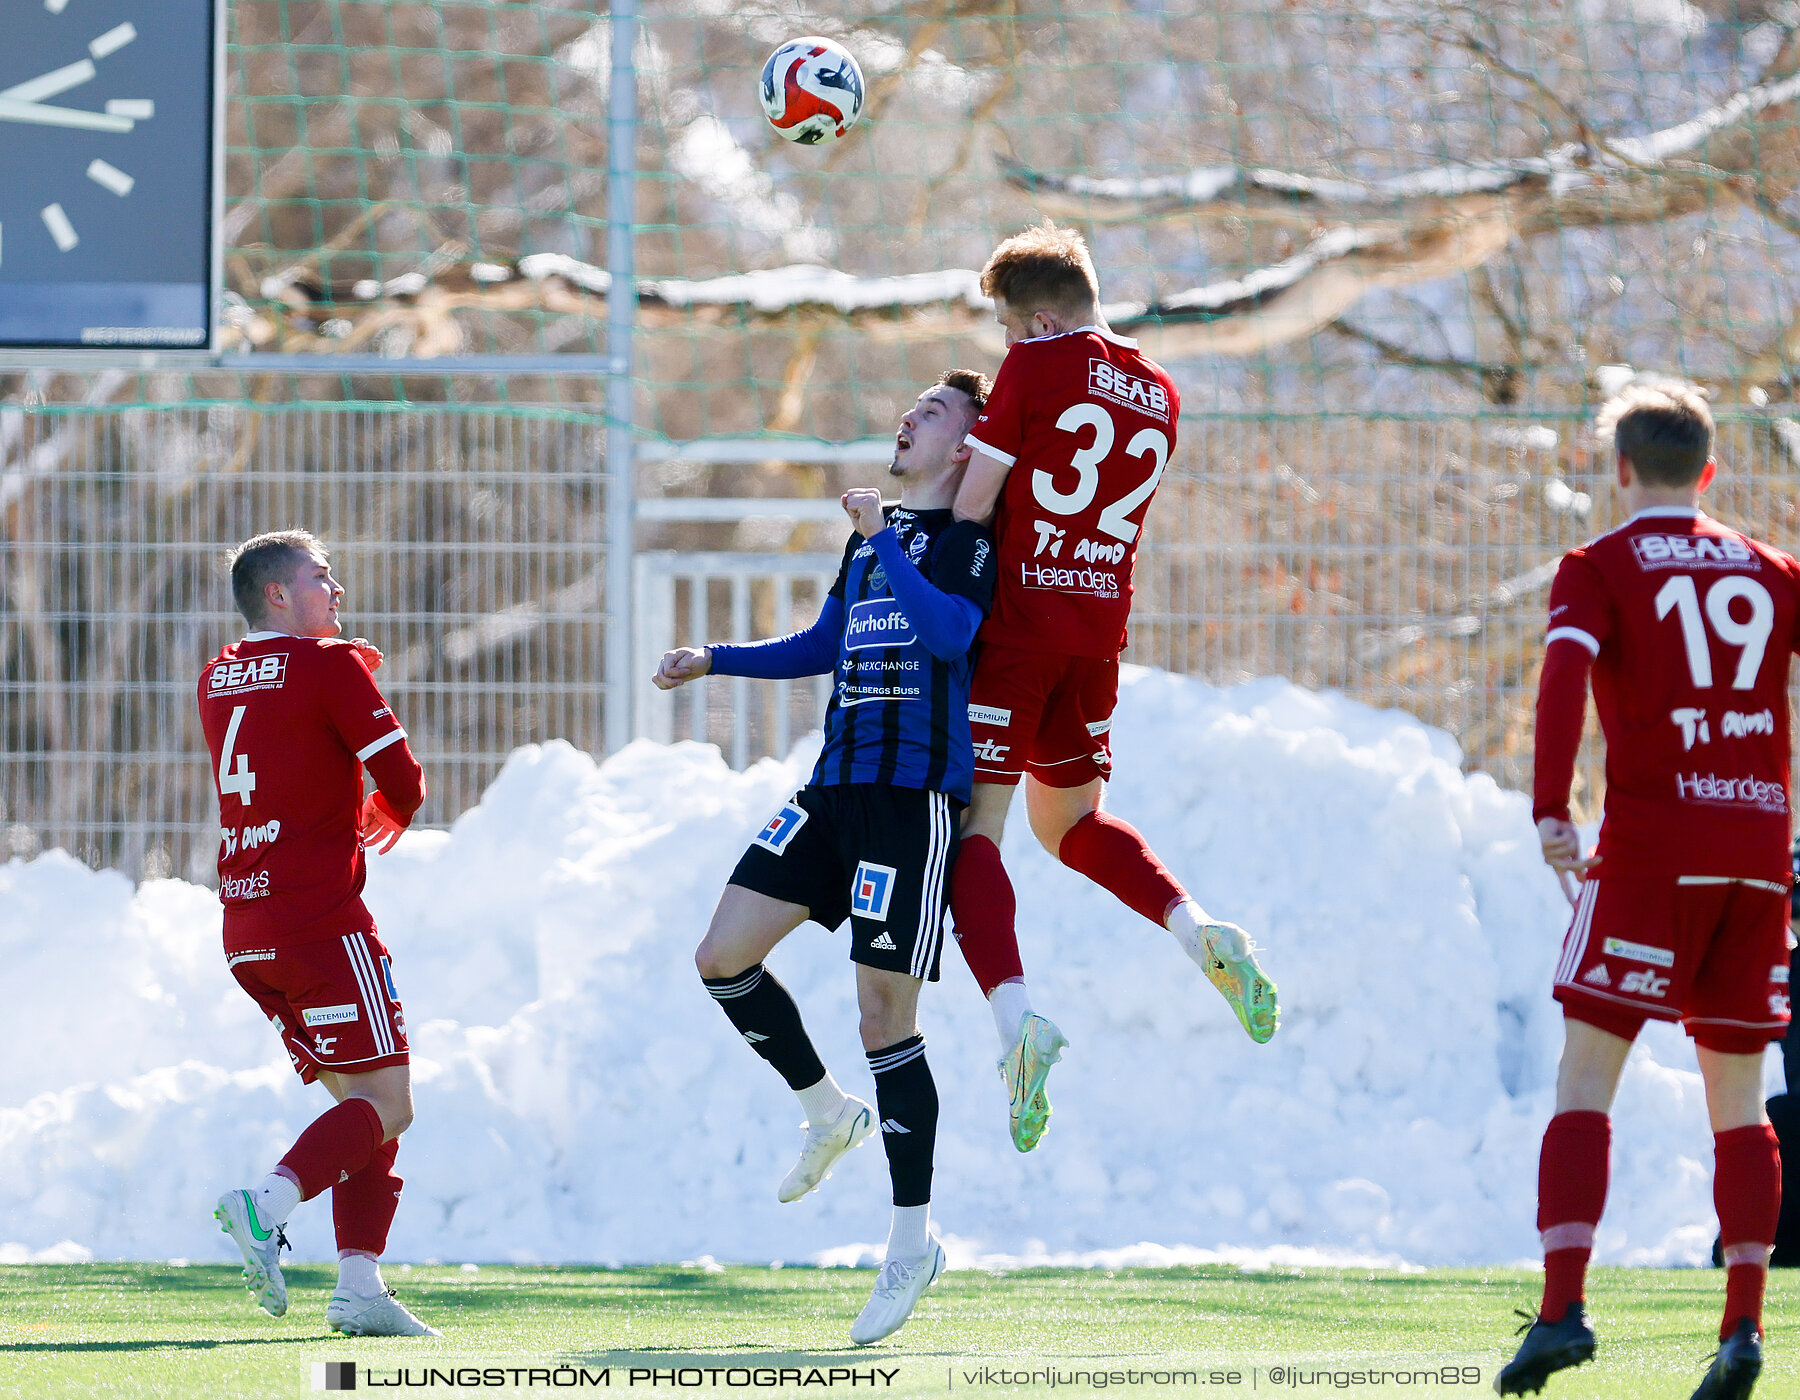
{"points": [[898, 714]]}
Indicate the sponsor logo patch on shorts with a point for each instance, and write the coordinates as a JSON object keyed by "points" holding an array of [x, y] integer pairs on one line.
{"points": [[872, 890], [1639, 952], [781, 828], [989, 714], [1099, 727], [1644, 983], [1779, 973], [330, 1015]]}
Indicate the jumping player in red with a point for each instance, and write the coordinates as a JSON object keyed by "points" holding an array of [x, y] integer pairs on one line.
{"points": [[291, 716], [1066, 458], [1687, 627]]}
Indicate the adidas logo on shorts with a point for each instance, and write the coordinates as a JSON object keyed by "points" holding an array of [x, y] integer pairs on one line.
{"points": [[1599, 977], [883, 942]]}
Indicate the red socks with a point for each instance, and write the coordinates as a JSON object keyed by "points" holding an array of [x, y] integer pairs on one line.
{"points": [[1112, 854], [338, 1145], [363, 1207], [1747, 1196], [1572, 1172], [984, 907]]}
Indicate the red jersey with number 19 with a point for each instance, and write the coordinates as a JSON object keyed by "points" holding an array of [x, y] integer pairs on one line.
{"points": [[1691, 626], [1087, 423], [290, 722]]}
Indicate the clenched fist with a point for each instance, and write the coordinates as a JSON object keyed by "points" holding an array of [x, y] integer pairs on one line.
{"points": [[682, 665], [863, 505]]}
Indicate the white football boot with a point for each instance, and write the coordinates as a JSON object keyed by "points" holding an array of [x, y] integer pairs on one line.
{"points": [[384, 1315], [898, 1288], [1230, 964], [261, 1247], [824, 1144], [1025, 1068]]}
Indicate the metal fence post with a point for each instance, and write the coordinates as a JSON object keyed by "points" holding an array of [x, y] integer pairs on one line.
{"points": [[621, 315]]}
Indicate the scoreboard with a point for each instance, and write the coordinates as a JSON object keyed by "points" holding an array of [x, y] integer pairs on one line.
{"points": [[110, 172]]}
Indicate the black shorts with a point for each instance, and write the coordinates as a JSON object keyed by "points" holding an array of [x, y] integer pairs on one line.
{"points": [[878, 856]]}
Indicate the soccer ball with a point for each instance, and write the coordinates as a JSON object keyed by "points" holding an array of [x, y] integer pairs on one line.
{"points": [[812, 90]]}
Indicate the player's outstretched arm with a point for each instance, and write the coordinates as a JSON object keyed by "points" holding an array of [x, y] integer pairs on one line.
{"points": [[682, 665], [812, 652]]}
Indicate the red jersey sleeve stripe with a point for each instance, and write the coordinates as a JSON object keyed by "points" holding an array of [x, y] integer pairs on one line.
{"points": [[1004, 458], [393, 736], [1573, 634]]}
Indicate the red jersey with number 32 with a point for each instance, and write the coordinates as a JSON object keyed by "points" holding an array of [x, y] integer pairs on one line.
{"points": [[1087, 424], [289, 721], [1691, 626]]}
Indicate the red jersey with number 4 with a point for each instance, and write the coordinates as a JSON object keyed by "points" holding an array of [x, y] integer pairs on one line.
{"points": [[290, 722], [1691, 626], [1087, 424]]}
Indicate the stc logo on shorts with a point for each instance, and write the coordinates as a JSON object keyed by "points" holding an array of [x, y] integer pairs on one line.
{"points": [[235, 677], [245, 886], [877, 622], [873, 890], [781, 828]]}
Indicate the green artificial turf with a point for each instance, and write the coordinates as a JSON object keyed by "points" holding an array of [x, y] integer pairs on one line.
{"points": [[153, 1330]]}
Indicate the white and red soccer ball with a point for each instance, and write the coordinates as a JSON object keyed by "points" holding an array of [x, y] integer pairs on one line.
{"points": [[812, 90]]}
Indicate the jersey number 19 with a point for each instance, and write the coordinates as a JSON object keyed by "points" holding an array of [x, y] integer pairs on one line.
{"points": [[1681, 596]]}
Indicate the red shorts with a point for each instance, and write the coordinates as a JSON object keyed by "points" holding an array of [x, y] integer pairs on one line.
{"points": [[332, 1002], [1038, 712], [1707, 951]]}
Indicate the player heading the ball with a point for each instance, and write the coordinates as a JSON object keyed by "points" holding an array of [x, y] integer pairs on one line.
{"points": [[1687, 628], [872, 837], [291, 716], [1068, 453]]}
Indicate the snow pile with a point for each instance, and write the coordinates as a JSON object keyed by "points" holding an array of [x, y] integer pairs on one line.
{"points": [[581, 1098]]}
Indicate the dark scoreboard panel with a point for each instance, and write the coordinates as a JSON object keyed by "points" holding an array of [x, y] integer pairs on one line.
{"points": [[109, 140]]}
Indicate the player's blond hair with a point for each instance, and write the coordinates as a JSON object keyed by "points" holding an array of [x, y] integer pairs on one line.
{"points": [[1663, 428], [265, 559], [1044, 268]]}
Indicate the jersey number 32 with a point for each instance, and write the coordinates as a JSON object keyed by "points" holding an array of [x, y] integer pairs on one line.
{"points": [[1149, 442]]}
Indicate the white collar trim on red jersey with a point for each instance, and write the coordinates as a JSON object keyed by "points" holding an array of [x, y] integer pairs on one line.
{"points": [[265, 636], [1668, 513], [1082, 330], [1105, 334]]}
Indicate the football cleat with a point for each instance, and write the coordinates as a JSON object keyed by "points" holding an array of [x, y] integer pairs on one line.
{"points": [[384, 1315], [1230, 965], [261, 1247], [824, 1144], [1548, 1347], [1735, 1367], [1024, 1068], [898, 1288]]}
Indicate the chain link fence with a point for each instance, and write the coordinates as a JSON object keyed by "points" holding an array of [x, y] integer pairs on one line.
{"points": [[1403, 561], [472, 543]]}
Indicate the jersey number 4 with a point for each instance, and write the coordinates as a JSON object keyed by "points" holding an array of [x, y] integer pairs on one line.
{"points": [[1681, 596], [243, 781], [1086, 461]]}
